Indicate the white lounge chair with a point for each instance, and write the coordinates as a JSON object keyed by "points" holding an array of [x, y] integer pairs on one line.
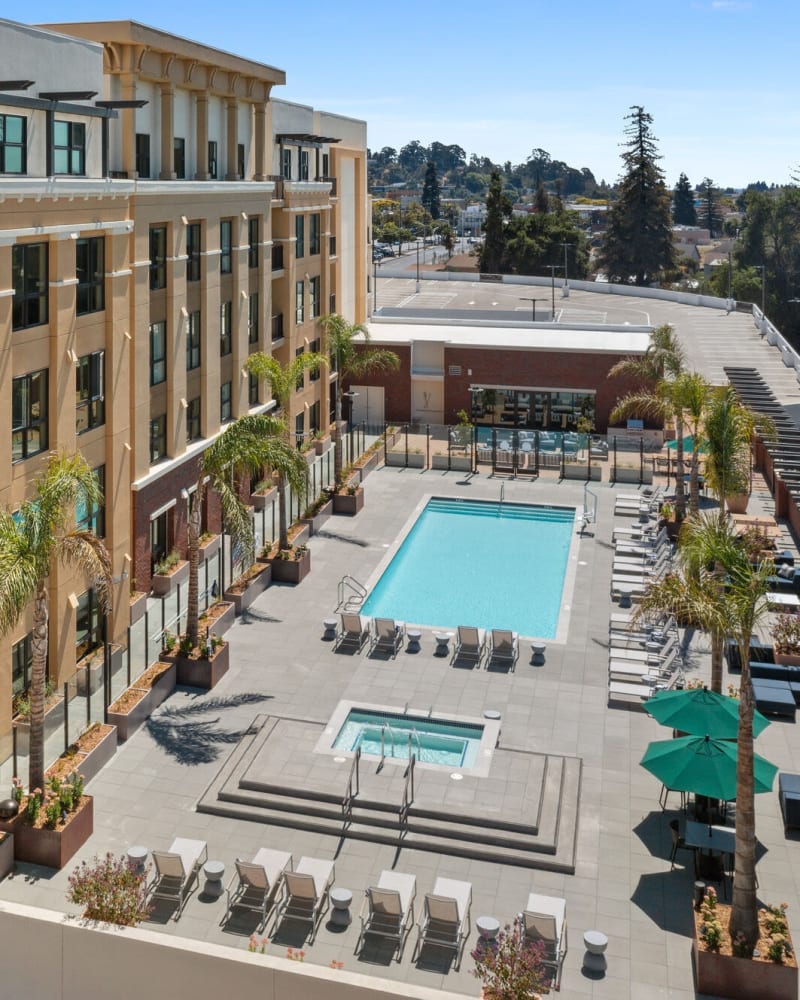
{"points": [[655, 669], [388, 909], [503, 646], [445, 920], [469, 644], [176, 870], [255, 883], [654, 655], [354, 631], [388, 635], [545, 920], [306, 893]]}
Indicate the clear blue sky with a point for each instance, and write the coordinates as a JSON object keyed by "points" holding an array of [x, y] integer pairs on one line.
{"points": [[719, 77]]}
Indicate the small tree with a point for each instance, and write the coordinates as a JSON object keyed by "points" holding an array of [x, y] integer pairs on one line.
{"points": [[430, 191], [683, 210], [510, 967], [498, 208], [110, 889]]}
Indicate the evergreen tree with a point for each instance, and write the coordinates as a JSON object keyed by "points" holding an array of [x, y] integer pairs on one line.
{"points": [[430, 191], [541, 202], [710, 216], [498, 208], [683, 210], [638, 240]]}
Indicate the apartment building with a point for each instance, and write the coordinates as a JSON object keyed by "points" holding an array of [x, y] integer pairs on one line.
{"points": [[162, 217]]}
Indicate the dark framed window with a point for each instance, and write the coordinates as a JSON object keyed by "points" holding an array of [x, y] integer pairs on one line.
{"points": [[158, 438], [179, 157], [21, 665], [29, 275], [277, 257], [301, 379], [252, 318], [314, 376], [225, 247], [13, 144], [314, 297], [90, 270], [277, 327], [314, 233], [160, 540], [298, 301], [240, 164], [193, 352], [193, 420], [92, 517], [286, 164], [158, 257], [225, 408], [252, 389], [325, 167], [253, 228], [29, 408], [142, 154], [313, 417], [90, 624], [299, 428], [300, 236], [225, 336], [332, 302], [193, 248], [303, 164], [212, 159], [90, 392], [158, 352], [69, 147]]}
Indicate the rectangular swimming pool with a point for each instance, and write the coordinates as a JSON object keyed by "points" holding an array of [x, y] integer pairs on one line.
{"points": [[469, 562]]}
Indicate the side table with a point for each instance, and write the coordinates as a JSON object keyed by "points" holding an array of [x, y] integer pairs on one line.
{"points": [[214, 872], [488, 928], [329, 626], [414, 636], [137, 855], [595, 943], [340, 903]]}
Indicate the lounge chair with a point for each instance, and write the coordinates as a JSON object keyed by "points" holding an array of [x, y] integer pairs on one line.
{"points": [[354, 631], [306, 893], [469, 644], [388, 636], [503, 646], [176, 870], [388, 909], [445, 920], [255, 883], [545, 920], [655, 669]]}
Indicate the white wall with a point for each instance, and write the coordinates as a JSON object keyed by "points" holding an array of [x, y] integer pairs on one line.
{"points": [[54, 61]]}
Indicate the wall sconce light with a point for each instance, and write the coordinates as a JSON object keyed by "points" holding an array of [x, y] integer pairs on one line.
{"points": [[184, 404], [73, 601], [126, 446], [184, 220], [244, 216], [72, 357], [126, 334]]}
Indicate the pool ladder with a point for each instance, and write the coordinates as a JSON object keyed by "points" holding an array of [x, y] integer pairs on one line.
{"points": [[350, 594], [383, 743]]}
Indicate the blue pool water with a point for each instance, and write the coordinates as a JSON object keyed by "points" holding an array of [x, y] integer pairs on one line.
{"points": [[468, 562], [450, 743]]}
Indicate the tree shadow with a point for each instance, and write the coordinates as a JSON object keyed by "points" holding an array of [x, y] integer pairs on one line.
{"points": [[189, 738], [250, 615], [335, 537]]}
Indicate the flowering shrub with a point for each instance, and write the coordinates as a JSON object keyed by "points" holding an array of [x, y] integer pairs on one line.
{"points": [[110, 889], [16, 790], [786, 634], [510, 967], [711, 930], [34, 804], [740, 947], [256, 944]]}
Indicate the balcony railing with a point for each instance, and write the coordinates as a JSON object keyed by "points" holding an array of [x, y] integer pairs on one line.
{"points": [[331, 181]]}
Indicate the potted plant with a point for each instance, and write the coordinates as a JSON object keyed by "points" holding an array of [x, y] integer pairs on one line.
{"points": [[264, 494], [291, 565], [110, 889], [349, 501], [168, 573], [217, 618], [52, 824], [201, 664], [317, 514], [786, 639]]}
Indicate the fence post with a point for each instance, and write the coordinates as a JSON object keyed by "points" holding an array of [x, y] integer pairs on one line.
{"points": [[563, 457], [385, 441], [641, 461], [66, 716], [614, 469], [406, 445], [427, 446], [14, 750]]}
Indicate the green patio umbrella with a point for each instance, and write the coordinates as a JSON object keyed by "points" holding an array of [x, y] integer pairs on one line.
{"points": [[698, 711], [704, 766]]}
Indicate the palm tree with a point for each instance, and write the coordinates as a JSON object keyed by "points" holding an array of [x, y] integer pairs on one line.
{"points": [[246, 447], [691, 392], [283, 381], [662, 363], [353, 359], [729, 428], [31, 539]]}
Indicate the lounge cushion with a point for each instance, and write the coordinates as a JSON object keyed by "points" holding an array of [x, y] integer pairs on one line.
{"points": [[774, 698], [789, 799]]}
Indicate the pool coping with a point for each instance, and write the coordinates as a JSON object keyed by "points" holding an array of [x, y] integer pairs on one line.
{"points": [[483, 763]]}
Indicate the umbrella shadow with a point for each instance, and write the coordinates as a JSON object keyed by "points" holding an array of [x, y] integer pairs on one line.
{"points": [[662, 896], [654, 833]]}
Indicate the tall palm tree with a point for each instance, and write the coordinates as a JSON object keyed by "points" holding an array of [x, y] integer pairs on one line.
{"points": [[729, 427], [691, 392], [663, 361], [41, 532], [283, 381], [353, 359], [246, 447]]}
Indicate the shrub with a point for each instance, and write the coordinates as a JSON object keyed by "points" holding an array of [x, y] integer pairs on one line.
{"points": [[110, 889], [167, 564], [510, 967], [786, 634]]}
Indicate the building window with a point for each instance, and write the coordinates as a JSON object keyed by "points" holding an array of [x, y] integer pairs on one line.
{"points": [[193, 247], [21, 664], [240, 164], [89, 624], [286, 164], [193, 341], [30, 280], [92, 517], [90, 269], [29, 431], [314, 233], [300, 236], [226, 255], [69, 147], [179, 157], [277, 327], [301, 378], [225, 337], [277, 258], [252, 241], [252, 319], [90, 392], [303, 164], [225, 411], [325, 168], [298, 301], [193, 420], [158, 257], [332, 301], [142, 154], [158, 352], [299, 428], [158, 438], [212, 159], [160, 542], [252, 389], [13, 146], [314, 375], [313, 297], [313, 418]]}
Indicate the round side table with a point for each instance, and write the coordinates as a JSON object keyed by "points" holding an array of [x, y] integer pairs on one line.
{"points": [[595, 943], [340, 903], [538, 649], [329, 625], [442, 643], [414, 638], [137, 855], [488, 928], [214, 872]]}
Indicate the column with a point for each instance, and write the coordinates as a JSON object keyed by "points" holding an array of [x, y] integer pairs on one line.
{"points": [[167, 132], [128, 116], [202, 138], [261, 142], [232, 113]]}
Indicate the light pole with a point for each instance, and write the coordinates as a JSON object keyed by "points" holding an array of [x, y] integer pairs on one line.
{"points": [[525, 298], [553, 268], [417, 267], [565, 286], [375, 285]]}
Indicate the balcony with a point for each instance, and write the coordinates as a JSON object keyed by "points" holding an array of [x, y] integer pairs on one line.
{"points": [[331, 181], [277, 327], [277, 257]]}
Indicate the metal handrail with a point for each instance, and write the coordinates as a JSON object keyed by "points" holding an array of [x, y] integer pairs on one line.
{"points": [[405, 805], [358, 589], [349, 795]]}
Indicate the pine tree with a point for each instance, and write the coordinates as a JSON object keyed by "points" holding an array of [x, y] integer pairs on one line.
{"points": [[710, 216], [430, 191], [497, 207], [683, 210], [638, 242]]}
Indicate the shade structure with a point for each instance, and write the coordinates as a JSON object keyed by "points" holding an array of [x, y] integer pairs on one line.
{"points": [[704, 766], [698, 711]]}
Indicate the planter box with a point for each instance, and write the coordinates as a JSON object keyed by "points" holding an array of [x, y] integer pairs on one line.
{"points": [[397, 459], [128, 722], [90, 674], [291, 570], [787, 659], [53, 721], [209, 548], [624, 474], [458, 463], [163, 584], [91, 763], [203, 673], [349, 506], [52, 848], [225, 620], [255, 586], [573, 470], [316, 522], [742, 978], [262, 501], [321, 445], [369, 465], [6, 855], [138, 607]]}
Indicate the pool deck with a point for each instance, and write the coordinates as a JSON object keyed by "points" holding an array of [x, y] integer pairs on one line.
{"points": [[282, 668]]}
